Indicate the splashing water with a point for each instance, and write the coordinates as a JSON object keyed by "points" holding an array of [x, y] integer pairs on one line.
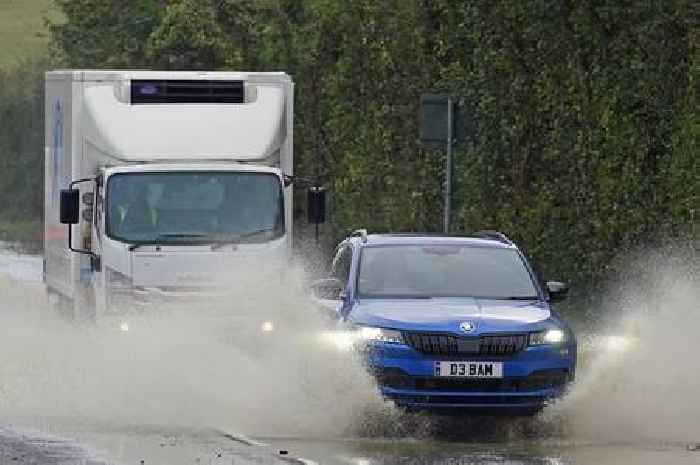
{"points": [[253, 364], [639, 379], [643, 379]]}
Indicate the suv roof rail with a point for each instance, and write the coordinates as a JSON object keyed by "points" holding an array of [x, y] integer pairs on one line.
{"points": [[360, 233], [493, 234]]}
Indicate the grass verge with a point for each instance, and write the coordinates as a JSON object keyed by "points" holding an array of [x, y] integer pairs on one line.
{"points": [[23, 30]]}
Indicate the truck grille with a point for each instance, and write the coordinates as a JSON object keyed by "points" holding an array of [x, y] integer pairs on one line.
{"points": [[445, 344]]}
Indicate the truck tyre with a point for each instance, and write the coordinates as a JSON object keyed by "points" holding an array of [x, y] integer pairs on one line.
{"points": [[60, 305], [85, 308]]}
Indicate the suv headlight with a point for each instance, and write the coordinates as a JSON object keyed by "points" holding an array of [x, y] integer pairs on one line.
{"points": [[370, 334], [548, 336]]}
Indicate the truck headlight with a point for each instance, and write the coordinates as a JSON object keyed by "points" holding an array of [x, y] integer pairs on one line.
{"points": [[548, 336], [370, 334]]}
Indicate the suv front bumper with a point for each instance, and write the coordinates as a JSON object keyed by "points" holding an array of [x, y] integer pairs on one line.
{"points": [[531, 378]]}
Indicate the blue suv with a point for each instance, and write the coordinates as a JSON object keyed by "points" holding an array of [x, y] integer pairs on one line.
{"points": [[451, 323]]}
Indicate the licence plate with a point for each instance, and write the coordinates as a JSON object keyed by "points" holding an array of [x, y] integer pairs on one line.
{"points": [[469, 369]]}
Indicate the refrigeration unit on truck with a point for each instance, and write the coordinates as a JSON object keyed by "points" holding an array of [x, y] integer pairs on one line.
{"points": [[168, 182]]}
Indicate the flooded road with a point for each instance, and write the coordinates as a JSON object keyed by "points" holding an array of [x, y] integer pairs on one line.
{"points": [[436, 452], [165, 394]]}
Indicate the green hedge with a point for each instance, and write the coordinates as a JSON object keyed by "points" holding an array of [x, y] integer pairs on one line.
{"points": [[587, 140], [22, 143]]}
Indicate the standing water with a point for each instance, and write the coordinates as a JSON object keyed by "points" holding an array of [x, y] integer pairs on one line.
{"points": [[635, 400], [197, 367]]}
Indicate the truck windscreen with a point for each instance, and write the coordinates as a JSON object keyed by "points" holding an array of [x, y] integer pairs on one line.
{"points": [[194, 207]]}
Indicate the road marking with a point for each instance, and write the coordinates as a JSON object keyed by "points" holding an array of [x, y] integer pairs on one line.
{"points": [[252, 442], [297, 460], [240, 438]]}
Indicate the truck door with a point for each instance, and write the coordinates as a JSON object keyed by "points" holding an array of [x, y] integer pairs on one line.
{"points": [[98, 217]]}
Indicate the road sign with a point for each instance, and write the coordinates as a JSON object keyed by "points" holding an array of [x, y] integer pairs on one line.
{"points": [[433, 120]]}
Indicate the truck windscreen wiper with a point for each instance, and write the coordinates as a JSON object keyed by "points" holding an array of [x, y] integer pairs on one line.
{"points": [[181, 235], [173, 235], [235, 239]]}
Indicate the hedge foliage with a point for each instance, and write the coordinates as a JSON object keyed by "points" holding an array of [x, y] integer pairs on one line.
{"points": [[21, 144], [587, 128]]}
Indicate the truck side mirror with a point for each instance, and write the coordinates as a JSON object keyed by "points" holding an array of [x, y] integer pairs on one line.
{"points": [[70, 206], [557, 291], [316, 205]]}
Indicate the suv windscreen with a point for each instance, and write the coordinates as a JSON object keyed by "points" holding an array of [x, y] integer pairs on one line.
{"points": [[201, 206], [420, 271]]}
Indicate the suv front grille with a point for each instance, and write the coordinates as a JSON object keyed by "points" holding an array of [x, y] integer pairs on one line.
{"points": [[445, 344]]}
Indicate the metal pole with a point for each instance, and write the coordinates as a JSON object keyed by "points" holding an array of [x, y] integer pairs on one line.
{"points": [[448, 168]]}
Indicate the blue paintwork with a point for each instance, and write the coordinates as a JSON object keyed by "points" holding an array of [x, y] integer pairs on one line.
{"points": [[444, 315]]}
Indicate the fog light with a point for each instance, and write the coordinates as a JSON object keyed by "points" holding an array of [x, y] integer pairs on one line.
{"points": [[267, 327]]}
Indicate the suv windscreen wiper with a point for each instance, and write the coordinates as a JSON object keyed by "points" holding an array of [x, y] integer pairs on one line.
{"points": [[396, 296]]}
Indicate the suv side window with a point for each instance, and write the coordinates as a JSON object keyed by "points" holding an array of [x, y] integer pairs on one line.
{"points": [[341, 264]]}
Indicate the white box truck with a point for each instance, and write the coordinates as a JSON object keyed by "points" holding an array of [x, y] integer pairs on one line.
{"points": [[166, 180]]}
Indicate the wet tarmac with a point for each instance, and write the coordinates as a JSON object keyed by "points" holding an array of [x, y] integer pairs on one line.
{"points": [[436, 452], [106, 444], [64, 444]]}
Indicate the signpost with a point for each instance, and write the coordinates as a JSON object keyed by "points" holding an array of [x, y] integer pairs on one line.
{"points": [[442, 125], [448, 169]]}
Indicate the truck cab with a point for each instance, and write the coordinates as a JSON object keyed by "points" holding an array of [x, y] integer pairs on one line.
{"points": [[169, 184]]}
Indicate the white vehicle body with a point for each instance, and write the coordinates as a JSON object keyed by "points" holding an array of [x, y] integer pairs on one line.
{"points": [[109, 128]]}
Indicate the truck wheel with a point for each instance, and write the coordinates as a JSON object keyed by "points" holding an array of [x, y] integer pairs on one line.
{"points": [[60, 305], [86, 311]]}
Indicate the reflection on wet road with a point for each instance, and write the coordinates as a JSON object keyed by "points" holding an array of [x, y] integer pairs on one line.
{"points": [[428, 452], [27, 447]]}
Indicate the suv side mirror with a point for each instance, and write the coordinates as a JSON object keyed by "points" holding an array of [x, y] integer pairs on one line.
{"points": [[70, 206], [327, 289], [557, 291]]}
